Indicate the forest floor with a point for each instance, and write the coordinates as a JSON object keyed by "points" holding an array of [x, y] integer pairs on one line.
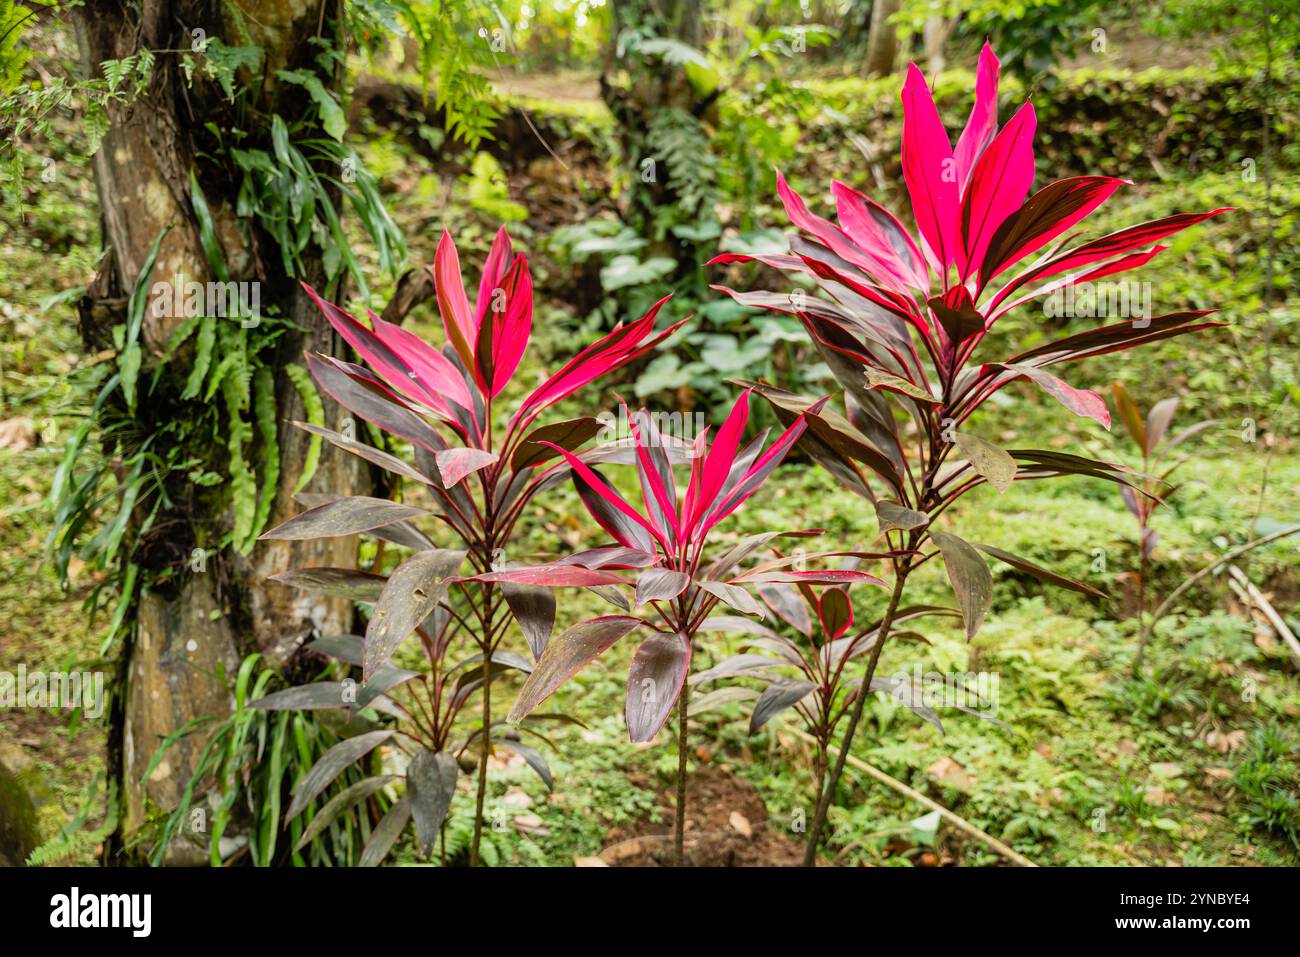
{"points": [[1194, 763]]}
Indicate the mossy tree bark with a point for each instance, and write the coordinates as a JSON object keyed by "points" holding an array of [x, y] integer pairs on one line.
{"points": [[194, 621]]}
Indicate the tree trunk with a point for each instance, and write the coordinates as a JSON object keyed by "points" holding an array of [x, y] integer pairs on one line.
{"points": [[937, 32], [196, 623], [882, 41]]}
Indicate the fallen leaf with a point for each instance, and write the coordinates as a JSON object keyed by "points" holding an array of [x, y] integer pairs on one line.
{"points": [[530, 824], [1225, 742], [17, 434], [950, 774], [740, 824]]}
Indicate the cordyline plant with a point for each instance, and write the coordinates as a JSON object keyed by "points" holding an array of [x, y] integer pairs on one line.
{"points": [[822, 645], [903, 318], [1149, 434], [669, 537], [481, 474]]}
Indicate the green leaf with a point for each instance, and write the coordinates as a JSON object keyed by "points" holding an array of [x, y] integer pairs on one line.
{"points": [[315, 410], [331, 113], [991, 461]]}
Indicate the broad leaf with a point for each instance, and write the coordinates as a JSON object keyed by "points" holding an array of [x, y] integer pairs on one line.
{"points": [[660, 584], [735, 596], [1042, 574], [414, 589], [534, 609], [345, 799], [344, 516], [970, 578], [568, 654], [775, 698], [347, 583], [385, 834], [430, 786], [892, 516], [993, 462], [331, 765], [654, 681], [313, 697], [569, 434]]}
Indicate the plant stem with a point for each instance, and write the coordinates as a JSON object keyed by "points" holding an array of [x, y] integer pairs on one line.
{"points": [[484, 750], [679, 833], [828, 792], [1142, 607]]}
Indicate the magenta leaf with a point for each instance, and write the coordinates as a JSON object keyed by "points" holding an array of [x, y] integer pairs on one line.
{"points": [[998, 186], [930, 172], [983, 122], [453, 306], [505, 329], [553, 575], [1079, 401]]}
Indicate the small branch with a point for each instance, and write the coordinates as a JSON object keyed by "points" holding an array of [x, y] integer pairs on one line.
{"points": [[1222, 560], [1255, 597], [960, 823]]}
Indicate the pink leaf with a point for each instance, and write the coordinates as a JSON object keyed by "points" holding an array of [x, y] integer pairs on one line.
{"points": [[761, 469], [983, 122], [494, 269], [625, 344], [998, 185], [898, 262], [658, 489], [432, 369], [390, 366], [552, 576], [717, 466], [1047, 214], [1113, 244], [611, 497], [930, 172], [455, 464], [457, 320], [505, 330], [1079, 401]]}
